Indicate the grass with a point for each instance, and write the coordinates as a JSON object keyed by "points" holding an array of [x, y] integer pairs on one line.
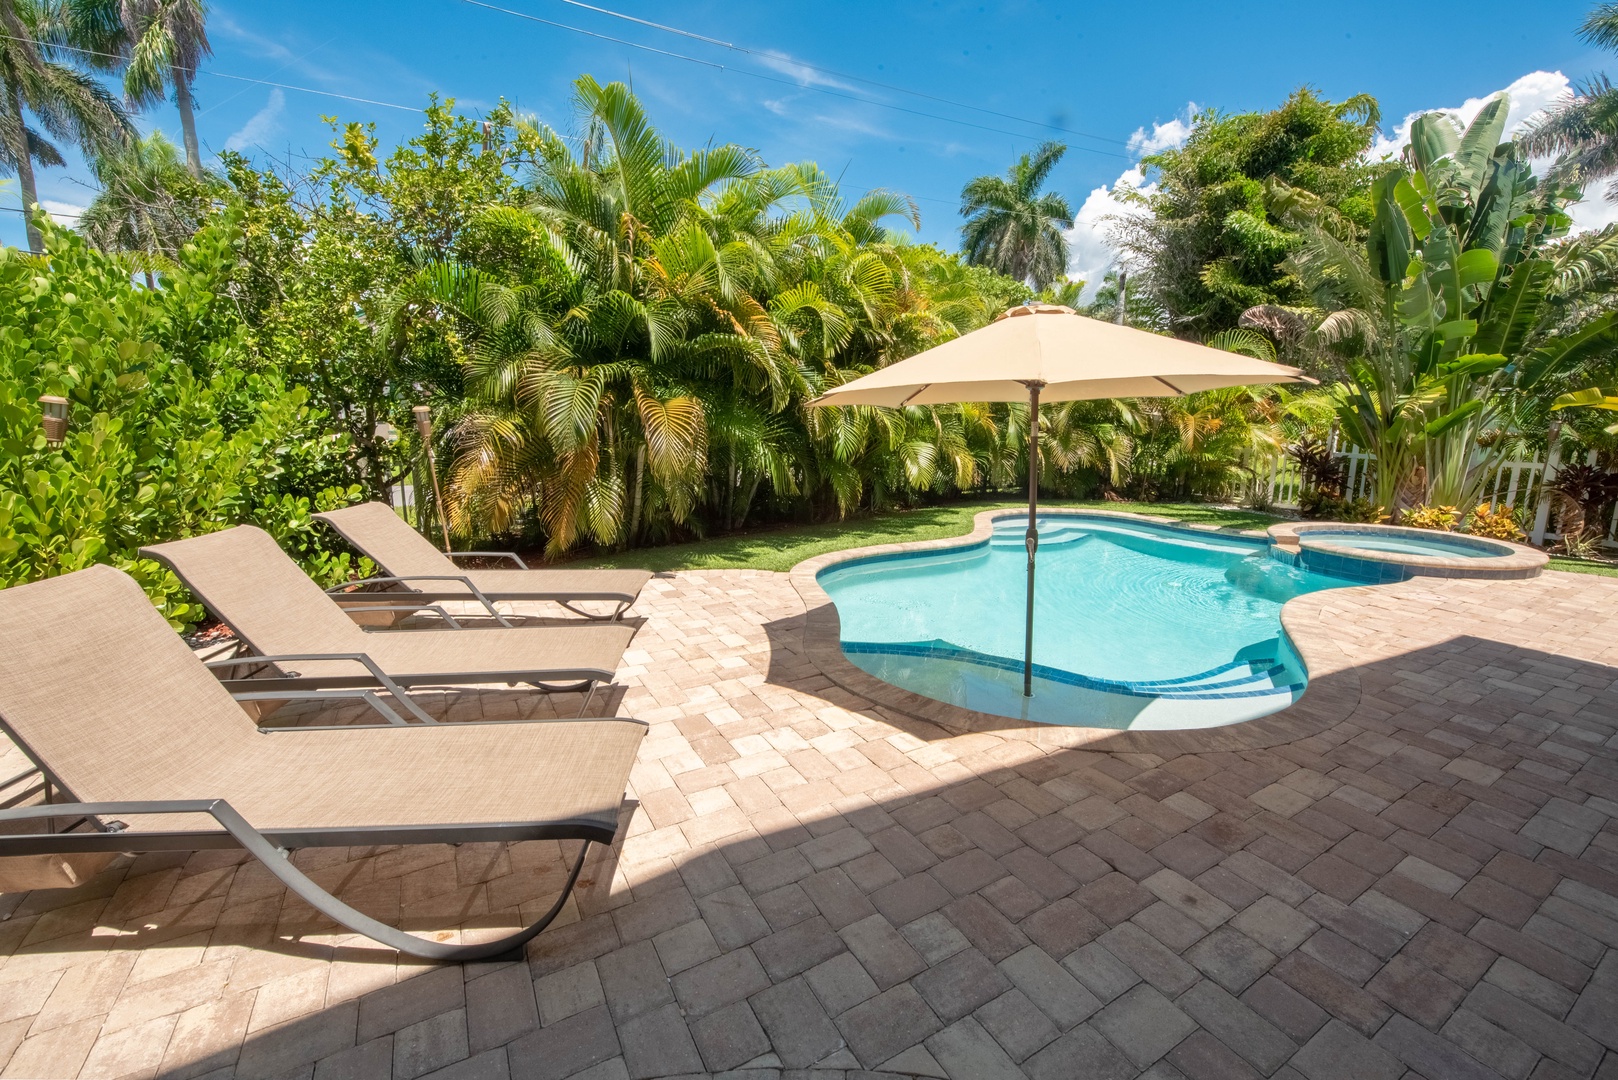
{"points": [[1583, 566], [782, 548]]}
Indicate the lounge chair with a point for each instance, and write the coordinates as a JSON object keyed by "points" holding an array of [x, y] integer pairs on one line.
{"points": [[411, 560], [251, 585], [147, 751]]}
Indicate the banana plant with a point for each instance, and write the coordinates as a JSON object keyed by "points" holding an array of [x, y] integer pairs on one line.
{"points": [[1447, 312], [1591, 397]]}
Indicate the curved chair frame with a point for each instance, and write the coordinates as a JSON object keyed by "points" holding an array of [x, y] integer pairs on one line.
{"points": [[118, 837]]}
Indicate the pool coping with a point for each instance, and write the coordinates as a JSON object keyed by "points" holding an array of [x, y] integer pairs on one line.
{"points": [[1520, 561], [1331, 697]]}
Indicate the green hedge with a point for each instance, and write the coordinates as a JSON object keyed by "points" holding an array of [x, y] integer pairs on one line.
{"points": [[171, 434]]}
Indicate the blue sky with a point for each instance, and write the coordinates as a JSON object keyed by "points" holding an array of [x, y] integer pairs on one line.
{"points": [[1124, 73]]}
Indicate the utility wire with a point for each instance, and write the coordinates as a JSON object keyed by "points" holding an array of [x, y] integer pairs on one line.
{"points": [[409, 108], [795, 62], [771, 78], [221, 75]]}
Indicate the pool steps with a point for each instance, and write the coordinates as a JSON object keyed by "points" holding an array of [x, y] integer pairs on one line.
{"points": [[1223, 682]]}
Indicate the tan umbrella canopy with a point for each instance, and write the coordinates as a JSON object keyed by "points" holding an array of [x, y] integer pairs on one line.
{"points": [[1049, 352]]}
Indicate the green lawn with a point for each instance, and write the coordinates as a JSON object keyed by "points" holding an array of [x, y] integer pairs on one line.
{"points": [[783, 548], [1584, 566]]}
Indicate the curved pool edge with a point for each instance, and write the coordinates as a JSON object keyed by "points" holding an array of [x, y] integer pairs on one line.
{"points": [[1369, 564], [1331, 696]]}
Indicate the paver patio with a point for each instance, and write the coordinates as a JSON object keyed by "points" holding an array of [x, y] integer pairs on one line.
{"points": [[807, 882]]}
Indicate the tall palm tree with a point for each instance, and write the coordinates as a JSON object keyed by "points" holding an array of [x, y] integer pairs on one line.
{"points": [[1583, 131], [1014, 227], [39, 79], [149, 204], [167, 40]]}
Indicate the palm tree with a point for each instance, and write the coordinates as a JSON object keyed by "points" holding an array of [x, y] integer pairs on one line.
{"points": [[1584, 130], [35, 36], [1014, 227], [149, 205], [167, 39]]}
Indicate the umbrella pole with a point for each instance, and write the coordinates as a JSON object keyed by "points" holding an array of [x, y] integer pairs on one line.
{"points": [[1031, 539]]}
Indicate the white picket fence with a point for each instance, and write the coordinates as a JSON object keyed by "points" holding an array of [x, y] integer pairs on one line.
{"points": [[1516, 483]]}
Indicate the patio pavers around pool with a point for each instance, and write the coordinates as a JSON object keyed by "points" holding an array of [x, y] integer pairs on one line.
{"points": [[1429, 888]]}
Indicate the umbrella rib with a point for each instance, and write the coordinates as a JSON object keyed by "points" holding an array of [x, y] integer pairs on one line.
{"points": [[1170, 385], [907, 400]]}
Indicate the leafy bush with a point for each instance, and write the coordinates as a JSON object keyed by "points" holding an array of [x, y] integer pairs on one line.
{"points": [[1501, 524], [169, 435], [1353, 511], [1439, 518], [1583, 492], [1322, 474]]}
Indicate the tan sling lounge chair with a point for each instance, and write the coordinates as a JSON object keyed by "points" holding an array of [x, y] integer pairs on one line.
{"points": [[245, 579], [142, 749], [414, 563]]}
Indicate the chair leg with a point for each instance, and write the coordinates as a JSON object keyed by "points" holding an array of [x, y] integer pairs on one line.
{"points": [[564, 688], [357, 921], [623, 606], [276, 861]]}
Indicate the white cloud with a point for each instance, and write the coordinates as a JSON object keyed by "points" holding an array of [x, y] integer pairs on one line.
{"points": [[261, 125], [1164, 136], [1090, 253], [63, 213], [802, 73]]}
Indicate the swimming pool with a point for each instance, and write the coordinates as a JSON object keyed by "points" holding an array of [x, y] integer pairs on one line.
{"points": [[1136, 625]]}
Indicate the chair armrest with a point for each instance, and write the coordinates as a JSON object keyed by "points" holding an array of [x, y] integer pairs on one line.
{"points": [[477, 593], [245, 685], [368, 696], [512, 555], [358, 603]]}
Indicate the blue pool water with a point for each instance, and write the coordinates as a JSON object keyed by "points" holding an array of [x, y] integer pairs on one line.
{"points": [[1135, 626], [1409, 545]]}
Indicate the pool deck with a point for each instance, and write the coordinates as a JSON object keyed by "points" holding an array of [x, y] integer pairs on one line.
{"points": [[1423, 883]]}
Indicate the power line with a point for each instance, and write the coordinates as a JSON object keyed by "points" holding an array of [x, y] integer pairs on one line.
{"points": [[772, 79], [534, 18], [223, 75], [785, 59]]}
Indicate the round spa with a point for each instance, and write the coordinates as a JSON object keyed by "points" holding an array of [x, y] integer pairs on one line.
{"points": [[1137, 625], [1384, 553]]}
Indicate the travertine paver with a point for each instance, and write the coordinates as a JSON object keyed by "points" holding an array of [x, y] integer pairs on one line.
{"points": [[1426, 885]]}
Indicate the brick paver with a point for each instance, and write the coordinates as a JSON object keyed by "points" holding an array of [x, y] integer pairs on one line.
{"points": [[1417, 877]]}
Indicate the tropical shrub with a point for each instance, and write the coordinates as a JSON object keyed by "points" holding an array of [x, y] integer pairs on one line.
{"points": [[1496, 523], [1321, 474], [1357, 511], [1583, 494], [1440, 518], [169, 435]]}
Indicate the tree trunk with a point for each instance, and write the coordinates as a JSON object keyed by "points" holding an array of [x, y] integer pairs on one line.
{"points": [[747, 503], [732, 483], [188, 121], [635, 494], [25, 169]]}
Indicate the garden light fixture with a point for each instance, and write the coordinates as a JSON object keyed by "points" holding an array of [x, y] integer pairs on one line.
{"points": [[54, 418]]}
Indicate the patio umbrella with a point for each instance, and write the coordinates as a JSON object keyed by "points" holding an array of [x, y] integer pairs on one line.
{"points": [[1049, 352]]}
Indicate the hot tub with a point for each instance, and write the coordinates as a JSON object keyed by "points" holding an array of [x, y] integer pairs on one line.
{"points": [[1383, 553]]}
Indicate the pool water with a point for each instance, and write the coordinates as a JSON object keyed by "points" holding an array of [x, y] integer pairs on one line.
{"points": [[1406, 545], [1135, 626]]}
